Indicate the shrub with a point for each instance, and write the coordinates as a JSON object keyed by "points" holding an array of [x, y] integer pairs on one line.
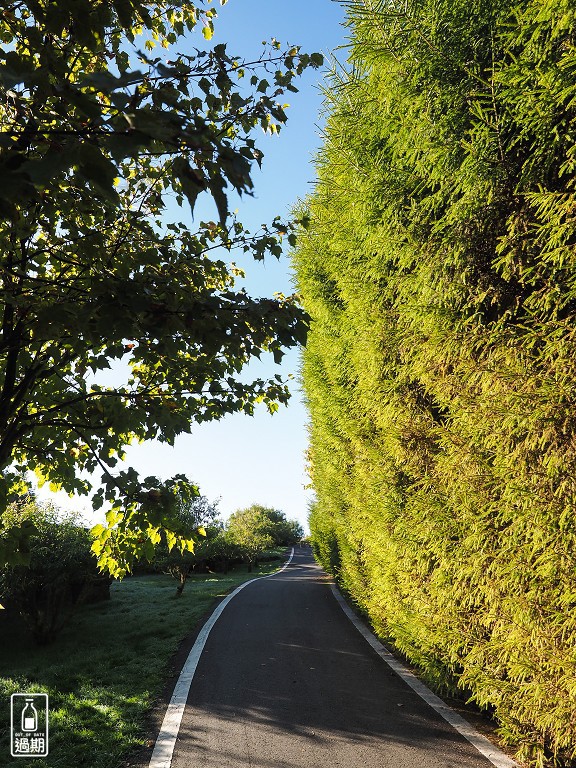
{"points": [[62, 573]]}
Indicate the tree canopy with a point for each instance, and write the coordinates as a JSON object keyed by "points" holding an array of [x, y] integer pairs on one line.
{"points": [[102, 123], [258, 528], [284, 532], [249, 530]]}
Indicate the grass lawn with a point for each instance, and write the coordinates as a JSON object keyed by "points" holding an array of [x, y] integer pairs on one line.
{"points": [[106, 667]]}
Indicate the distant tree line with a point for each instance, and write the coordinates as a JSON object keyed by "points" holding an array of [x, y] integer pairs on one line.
{"points": [[247, 536], [438, 267], [63, 572]]}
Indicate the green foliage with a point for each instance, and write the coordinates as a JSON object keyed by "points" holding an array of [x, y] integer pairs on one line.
{"points": [[60, 574], [101, 122], [284, 532], [214, 552], [324, 540], [198, 516], [160, 512], [246, 536], [249, 530], [436, 261]]}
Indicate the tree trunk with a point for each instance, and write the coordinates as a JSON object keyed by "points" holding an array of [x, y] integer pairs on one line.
{"points": [[183, 576]]}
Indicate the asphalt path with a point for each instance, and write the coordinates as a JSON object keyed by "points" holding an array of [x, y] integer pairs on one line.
{"points": [[285, 680]]}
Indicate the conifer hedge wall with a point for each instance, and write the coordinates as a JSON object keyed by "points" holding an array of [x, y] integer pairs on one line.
{"points": [[439, 268]]}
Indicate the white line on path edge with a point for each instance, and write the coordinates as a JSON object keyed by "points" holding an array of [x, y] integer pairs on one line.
{"points": [[482, 744], [166, 741]]}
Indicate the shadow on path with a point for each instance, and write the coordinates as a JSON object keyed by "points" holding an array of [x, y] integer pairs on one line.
{"points": [[286, 680]]}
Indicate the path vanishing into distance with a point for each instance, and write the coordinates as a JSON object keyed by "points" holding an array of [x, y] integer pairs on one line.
{"points": [[285, 680]]}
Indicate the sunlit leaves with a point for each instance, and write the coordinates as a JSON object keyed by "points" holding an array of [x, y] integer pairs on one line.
{"points": [[436, 260], [249, 530], [185, 106], [102, 121]]}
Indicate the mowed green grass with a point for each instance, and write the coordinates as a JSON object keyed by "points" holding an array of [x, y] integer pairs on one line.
{"points": [[103, 672]]}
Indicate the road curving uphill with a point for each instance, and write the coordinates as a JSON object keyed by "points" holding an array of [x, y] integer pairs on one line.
{"points": [[280, 678]]}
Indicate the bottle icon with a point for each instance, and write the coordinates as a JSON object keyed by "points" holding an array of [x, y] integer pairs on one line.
{"points": [[29, 717]]}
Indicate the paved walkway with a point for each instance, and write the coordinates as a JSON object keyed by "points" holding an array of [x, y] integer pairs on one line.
{"points": [[285, 681]]}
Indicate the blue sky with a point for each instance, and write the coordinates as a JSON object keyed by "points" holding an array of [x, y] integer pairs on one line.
{"points": [[243, 459]]}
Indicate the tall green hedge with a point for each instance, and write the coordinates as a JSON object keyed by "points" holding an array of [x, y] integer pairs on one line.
{"points": [[438, 267]]}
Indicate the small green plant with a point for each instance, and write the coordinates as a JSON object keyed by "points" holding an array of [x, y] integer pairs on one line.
{"points": [[211, 550]]}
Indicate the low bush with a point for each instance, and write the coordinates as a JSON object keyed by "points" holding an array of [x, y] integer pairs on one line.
{"points": [[62, 573]]}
